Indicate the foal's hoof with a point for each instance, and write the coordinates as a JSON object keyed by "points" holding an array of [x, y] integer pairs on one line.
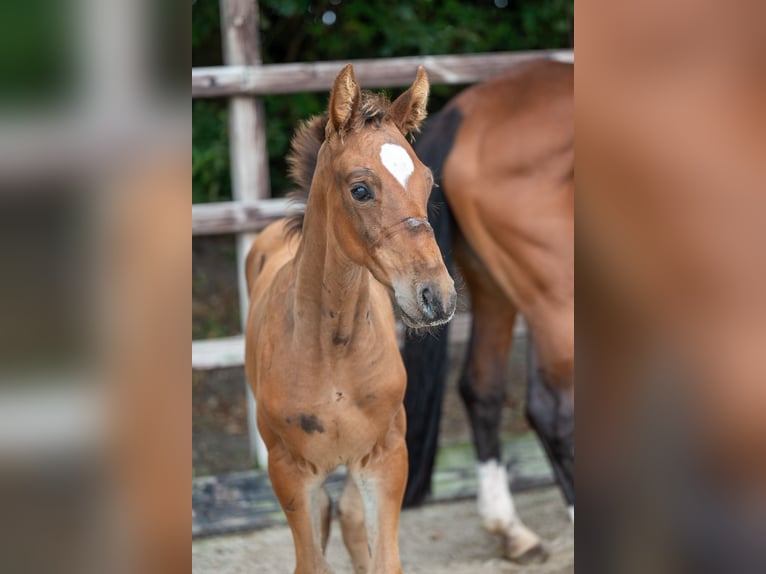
{"points": [[535, 555]]}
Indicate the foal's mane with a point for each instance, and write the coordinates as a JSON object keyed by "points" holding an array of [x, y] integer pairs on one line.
{"points": [[304, 148]]}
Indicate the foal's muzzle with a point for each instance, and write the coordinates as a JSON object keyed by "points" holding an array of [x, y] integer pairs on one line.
{"points": [[432, 304], [426, 294], [433, 308]]}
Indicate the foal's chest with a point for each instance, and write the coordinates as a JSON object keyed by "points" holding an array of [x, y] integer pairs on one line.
{"points": [[336, 412]]}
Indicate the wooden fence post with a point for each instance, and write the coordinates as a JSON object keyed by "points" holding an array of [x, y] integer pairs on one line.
{"points": [[248, 156]]}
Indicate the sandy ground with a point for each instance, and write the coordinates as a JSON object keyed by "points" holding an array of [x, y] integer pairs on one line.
{"points": [[435, 539]]}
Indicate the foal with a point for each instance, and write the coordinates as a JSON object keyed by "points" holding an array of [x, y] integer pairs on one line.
{"points": [[322, 356]]}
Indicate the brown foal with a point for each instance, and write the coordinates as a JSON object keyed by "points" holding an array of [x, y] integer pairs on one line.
{"points": [[322, 356]]}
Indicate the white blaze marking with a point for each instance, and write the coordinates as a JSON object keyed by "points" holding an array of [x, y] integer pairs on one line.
{"points": [[396, 160]]}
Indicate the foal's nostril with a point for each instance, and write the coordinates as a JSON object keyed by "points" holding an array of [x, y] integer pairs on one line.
{"points": [[427, 302]]}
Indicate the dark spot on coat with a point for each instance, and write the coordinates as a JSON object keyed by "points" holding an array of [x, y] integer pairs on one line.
{"points": [[310, 424], [340, 341], [289, 506], [369, 397], [338, 395]]}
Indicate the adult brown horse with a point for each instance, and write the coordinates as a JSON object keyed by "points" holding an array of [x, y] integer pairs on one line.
{"points": [[502, 153], [321, 348]]}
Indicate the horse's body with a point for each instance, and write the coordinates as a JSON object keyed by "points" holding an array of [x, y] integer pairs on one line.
{"points": [[503, 155], [322, 356]]}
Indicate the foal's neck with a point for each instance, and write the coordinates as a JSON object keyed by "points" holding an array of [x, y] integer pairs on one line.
{"points": [[332, 293]]}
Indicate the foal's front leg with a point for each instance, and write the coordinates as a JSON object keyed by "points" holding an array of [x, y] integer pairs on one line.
{"points": [[298, 486], [381, 481]]}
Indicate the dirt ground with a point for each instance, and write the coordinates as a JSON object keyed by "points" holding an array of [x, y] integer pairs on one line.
{"points": [[435, 539]]}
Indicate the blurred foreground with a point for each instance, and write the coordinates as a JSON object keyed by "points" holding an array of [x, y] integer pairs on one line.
{"points": [[671, 287], [94, 296]]}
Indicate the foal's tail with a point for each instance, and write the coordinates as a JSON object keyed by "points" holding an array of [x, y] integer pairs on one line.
{"points": [[425, 355]]}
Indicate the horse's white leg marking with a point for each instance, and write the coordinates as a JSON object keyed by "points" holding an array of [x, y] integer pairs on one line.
{"points": [[495, 503], [315, 509], [396, 160], [369, 492], [497, 511]]}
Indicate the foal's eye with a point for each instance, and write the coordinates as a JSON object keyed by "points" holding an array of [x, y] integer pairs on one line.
{"points": [[361, 192]]}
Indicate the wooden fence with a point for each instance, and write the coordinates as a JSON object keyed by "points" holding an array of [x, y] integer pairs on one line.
{"points": [[243, 79]]}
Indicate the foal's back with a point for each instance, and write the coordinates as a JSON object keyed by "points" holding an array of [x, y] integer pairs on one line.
{"points": [[268, 254]]}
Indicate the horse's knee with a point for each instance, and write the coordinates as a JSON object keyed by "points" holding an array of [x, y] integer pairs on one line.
{"points": [[484, 405], [485, 396], [551, 413]]}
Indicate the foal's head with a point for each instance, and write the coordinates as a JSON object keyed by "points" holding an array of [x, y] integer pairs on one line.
{"points": [[376, 192]]}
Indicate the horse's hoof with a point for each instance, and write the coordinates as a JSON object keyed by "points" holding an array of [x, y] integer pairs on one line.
{"points": [[535, 555]]}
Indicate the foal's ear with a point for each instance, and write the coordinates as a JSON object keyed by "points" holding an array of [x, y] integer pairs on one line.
{"points": [[409, 109], [344, 99]]}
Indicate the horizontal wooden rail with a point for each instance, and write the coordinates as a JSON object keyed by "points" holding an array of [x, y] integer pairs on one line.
{"points": [[230, 351], [219, 81], [239, 216]]}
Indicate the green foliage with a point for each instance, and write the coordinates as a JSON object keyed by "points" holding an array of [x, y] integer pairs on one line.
{"points": [[206, 33], [293, 31], [210, 152], [37, 61]]}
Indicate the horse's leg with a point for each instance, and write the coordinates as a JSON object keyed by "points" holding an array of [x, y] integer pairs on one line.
{"points": [[381, 480], [550, 411], [351, 516], [325, 513], [426, 361], [298, 487], [482, 388]]}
